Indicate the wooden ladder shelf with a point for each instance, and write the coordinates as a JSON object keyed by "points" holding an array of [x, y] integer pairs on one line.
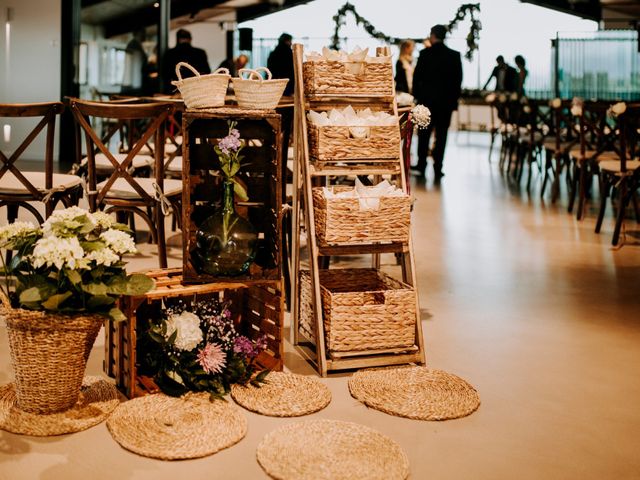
{"points": [[306, 175]]}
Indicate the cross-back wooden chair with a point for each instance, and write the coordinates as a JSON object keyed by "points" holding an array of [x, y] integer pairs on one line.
{"points": [[19, 188], [565, 137], [148, 198], [622, 175], [597, 136]]}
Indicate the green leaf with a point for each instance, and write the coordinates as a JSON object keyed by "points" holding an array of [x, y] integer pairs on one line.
{"points": [[172, 338], [74, 276], [97, 301], [14, 263], [135, 284], [260, 378], [235, 168], [30, 295], [54, 301], [92, 246], [95, 288], [239, 190], [116, 315], [156, 337]]}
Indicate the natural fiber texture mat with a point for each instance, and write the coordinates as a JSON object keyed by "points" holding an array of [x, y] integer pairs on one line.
{"points": [[169, 428], [283, 395], [415, 392], [98, 398], [331, 450]]}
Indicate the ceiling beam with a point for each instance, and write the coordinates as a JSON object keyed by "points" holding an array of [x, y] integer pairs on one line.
{"points": [[589, 9], [252, 12]]}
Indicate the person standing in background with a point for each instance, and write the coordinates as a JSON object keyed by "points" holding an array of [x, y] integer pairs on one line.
{"points": [[135, 66], [505, 75], [234, 66], [405, 67], [521, 75], [280, 61], [183, 52], [437, 81]]}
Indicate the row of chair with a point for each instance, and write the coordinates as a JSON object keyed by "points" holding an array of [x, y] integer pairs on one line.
{"points": [[138, 179], [576, 140]]}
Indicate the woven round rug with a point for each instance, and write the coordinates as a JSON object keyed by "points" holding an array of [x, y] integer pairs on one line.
{"points": [[415, 392], [283, 395], [98, 398], [169, 428], [331, 450]]}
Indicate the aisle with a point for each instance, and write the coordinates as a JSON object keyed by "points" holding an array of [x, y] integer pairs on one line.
{"points": [[528, 305]]}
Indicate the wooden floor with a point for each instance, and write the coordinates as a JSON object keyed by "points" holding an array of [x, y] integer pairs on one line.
{"points": [[534, 309]]}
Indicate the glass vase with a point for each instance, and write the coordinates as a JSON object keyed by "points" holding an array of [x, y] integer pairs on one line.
{"points": [[226, 243]]}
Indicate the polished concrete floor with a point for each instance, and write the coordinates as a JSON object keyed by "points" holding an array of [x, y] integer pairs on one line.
{"points": [[535, 310]]}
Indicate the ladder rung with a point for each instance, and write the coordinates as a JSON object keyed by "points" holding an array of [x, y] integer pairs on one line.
{"points": [[359, 249]]}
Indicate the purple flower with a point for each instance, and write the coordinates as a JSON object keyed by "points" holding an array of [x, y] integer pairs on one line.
{"points": [[261, 343], [234, 133], [226, 313], [244, 347], [230, 143]]}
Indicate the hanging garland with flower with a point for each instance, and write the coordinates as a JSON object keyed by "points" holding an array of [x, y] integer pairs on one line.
{"points": [[468, 9]]}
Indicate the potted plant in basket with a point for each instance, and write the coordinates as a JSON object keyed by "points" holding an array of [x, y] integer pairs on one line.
{"points": [[63, 281], [226, 243]]}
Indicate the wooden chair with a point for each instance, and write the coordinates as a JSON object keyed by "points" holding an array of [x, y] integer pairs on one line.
{"points": [[565, 137], [622, 175], [17, 187], [148, 198]]}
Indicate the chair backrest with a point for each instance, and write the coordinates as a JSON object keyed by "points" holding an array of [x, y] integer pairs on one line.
{"points": [[155, 113], [47, 113]]}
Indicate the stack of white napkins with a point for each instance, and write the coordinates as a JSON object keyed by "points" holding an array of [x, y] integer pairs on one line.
{"points": [[348, 117], [357, 55], [369, 197]]}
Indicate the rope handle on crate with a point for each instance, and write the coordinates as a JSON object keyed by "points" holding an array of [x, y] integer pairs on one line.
{"points": [[221, 70], [255, 72]]}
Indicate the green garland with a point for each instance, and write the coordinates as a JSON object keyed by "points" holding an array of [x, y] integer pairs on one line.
{"points": [[467, 9]]}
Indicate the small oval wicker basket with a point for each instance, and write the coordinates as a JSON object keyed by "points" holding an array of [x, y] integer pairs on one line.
{"points": [[202, 91], [256, 93]]}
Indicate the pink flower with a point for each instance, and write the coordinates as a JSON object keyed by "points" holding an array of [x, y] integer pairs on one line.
{"points": [[212, 358]]}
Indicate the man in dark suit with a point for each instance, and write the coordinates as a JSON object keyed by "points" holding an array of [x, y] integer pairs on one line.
{"points": [[506, 76], [280, 62], [183, 52], [437, 80]]}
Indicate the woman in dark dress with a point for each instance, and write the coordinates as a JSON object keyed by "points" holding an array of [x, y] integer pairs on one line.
{"points": [[522, 74], [404, 67]]}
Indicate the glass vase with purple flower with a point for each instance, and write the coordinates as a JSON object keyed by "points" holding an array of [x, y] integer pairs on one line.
{"points": [[226, 243]]}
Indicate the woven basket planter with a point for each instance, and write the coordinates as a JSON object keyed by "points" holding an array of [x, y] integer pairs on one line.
{"points": [[49, 354], [342, 221], [348, 78], [363, 310], [256, 93], [202, 91], [330, 143]]}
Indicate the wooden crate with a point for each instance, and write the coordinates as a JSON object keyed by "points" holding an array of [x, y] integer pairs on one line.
{"points": [[257, 310], [330, 78], [337, 143], [261, 172]]}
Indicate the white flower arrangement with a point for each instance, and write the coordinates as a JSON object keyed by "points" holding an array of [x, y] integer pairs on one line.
{"points": [[555, 103], [421, 116], [186, 327], [73, 263], [617, 109]]}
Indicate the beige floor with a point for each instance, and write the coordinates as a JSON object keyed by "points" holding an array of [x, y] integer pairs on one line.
{"points": [[530, 306]]}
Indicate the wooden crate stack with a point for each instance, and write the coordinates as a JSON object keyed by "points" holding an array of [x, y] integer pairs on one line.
{"points": [[256, 298], [350, 318]]}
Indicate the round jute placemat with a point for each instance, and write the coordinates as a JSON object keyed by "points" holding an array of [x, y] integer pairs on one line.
{"points": [[283, 395], [331, 450], [168, 428], [98, 398], [415, 392]]}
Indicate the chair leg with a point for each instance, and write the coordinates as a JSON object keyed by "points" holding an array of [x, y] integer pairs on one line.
{"points": [[161, 237], [636, 205], [574, 187], [547, 166], [625, 197], [604, 194]]}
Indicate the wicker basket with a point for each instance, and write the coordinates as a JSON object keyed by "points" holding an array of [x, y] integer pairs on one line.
{"points": [[49, 354], [331, 143], [202, 91], [366, 79], [363, 310], [258, 93], [342, 221]]}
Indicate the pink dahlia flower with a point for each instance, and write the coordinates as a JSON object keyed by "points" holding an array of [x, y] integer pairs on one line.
{"points": [[212, 358]]}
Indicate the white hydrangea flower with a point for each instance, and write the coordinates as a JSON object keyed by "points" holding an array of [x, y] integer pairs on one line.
{"points": [[60, 221], [189, 334], [9, 233], [61, 252], [104, 256], [118, 241], [103, 220]]}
